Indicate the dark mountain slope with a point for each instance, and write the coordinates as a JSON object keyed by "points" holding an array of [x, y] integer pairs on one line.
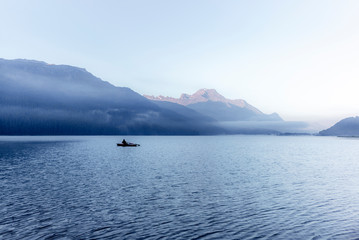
{"points": [[345, 127], [183, 111]]}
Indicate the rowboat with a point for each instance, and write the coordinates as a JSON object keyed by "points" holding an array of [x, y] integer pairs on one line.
{"points": [[127, 145]]}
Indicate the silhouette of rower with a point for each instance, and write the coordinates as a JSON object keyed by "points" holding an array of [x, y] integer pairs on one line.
{"points": [[124, 142]]}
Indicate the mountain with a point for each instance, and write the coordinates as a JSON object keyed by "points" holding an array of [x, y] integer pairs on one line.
{"points": [[37, 98], [203, 95], [345, 127], [210, 103]]}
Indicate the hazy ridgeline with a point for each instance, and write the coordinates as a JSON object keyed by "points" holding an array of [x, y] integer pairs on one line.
{"points": [[38, 98]]}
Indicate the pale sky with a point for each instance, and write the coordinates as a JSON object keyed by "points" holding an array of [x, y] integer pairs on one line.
{"points": [[297, 58]]}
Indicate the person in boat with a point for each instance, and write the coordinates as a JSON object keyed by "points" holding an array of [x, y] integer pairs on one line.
{"points": [[124, 142]]}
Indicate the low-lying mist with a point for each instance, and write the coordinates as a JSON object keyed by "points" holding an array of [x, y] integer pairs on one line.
{"points": [[267, 127]]}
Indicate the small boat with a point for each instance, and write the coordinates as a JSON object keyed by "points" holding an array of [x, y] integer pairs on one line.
{"points": [[128, 145]]}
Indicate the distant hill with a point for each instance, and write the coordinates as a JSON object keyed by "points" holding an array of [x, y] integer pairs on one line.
{"points": [[345, 127], [37, 98], [210, 103]]}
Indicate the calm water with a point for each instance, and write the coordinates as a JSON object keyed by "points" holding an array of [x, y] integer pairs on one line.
{"points": [[226, 187]]}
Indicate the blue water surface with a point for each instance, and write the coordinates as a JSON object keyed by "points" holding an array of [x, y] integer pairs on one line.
{"points": [[187, 187]]}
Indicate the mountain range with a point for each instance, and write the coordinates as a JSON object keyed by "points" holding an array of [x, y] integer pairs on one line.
{"points": [[37, 98], [210, 103]]}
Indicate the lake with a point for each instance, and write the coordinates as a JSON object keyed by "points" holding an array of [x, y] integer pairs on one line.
{"points": [[179, 187]]}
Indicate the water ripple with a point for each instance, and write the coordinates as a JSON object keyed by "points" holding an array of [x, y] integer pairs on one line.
{"points": [[251, 187]]}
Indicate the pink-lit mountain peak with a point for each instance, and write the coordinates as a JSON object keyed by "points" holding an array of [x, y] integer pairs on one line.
{"points": [[204, 95]]}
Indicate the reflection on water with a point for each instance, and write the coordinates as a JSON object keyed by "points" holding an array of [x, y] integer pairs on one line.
{"points": [[226, 187]]}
